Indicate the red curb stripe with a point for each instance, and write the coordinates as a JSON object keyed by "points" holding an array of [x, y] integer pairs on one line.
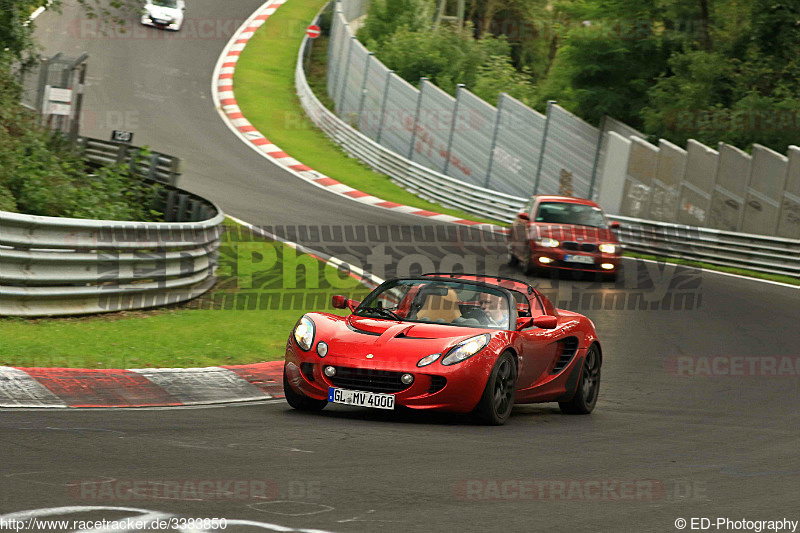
{"points": [[222, 88], [261, 141], [234, 53], [229, 64], [356, 194], [327, 182], [268, 377], [226, 76], [246, 129], [274, 6], [278, 155], [300, 168], [228, 101], [251, 28], [467, 222], [263, 17], [79, 387], [234, 116], [424, 213], [242, 41], [390, 205]]}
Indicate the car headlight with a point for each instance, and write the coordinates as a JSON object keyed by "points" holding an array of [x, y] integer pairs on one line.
{"points": [[304, 333], [547, 243], [608, 248], [466, 349], [428, 359]]}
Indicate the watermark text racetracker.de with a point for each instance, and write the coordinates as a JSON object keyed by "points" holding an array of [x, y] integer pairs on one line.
{"points": [[580, 490], [735, 524]]}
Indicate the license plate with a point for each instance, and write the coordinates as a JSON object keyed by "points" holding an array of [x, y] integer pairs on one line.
{"points": [[360, 398], [585, 259]]}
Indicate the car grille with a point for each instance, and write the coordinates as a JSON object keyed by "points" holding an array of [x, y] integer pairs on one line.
{"points": [[582, 247], [568, 348], [437, 384], [367, 379]]}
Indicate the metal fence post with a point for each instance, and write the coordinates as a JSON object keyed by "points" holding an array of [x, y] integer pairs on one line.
{"points": [[497, 116], [550, 104], [346, 73], [600, 136], [383, 104], [364, 88], [75, 119], [416, 119], [338, 60], [459, 88]]}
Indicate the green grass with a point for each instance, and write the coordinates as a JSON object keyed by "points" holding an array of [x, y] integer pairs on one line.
{"points": [[709, 266], [205, 332], [265, 92]]}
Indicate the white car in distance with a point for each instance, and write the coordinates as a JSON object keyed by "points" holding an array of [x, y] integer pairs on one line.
{"points": [[165, 14]]}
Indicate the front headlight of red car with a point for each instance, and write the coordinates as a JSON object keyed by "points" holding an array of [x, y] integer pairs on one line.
{"points": [[466, 349], [304, 333], [608, 248]]}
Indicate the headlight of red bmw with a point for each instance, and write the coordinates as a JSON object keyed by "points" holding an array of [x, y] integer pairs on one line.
{"points": [[466, 349], [304, 333], [608, 248]]}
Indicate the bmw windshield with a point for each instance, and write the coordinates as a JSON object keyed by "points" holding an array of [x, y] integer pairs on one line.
{"points": [[438, 302], [569, 213]]}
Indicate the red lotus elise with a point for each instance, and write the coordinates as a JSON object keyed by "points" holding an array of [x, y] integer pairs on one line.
{"points": [[451, 342]]}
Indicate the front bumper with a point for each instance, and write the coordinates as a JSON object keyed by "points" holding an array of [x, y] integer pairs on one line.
{"points": [[553, 258], [148, 21], [461, 392]]}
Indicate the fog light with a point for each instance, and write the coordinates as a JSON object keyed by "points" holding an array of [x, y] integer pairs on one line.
{"points": [[330, 371], [545, 260], [407, 379], [607, 266], [322, 348]]}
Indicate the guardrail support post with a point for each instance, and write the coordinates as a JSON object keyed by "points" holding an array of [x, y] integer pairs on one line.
{"points": [[383, 104], [544, 144], [416, 119], [346, 74], [364, 88], [459, 88], [494, 139], [597, 156]]}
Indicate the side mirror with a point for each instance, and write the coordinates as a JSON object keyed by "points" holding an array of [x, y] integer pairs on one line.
{"points": [[524, 322], [523, 216], [545, 322], [614, 225], [339, 302]]}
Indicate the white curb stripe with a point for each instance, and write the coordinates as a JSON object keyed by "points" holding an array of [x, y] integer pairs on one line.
{"points": [[18, 389]]}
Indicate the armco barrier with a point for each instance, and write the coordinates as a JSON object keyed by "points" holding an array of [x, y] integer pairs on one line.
{"points": [[64, 266], [755, 252], [771, 255]]}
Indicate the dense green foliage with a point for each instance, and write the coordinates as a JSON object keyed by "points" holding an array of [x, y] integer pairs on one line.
{"points": [[39, 173], [713, 70]]}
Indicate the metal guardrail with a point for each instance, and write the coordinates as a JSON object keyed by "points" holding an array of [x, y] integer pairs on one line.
{"points": [[771, 255], [760, 253], [158, 167], [53, 266]]}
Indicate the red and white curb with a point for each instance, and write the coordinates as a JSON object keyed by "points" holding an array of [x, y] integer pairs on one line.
{"points": [[225, 102], [141, 387]]}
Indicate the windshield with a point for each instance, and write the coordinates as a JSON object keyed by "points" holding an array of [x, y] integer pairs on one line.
{"points": [[569, 213], [166, 3], [438, 302]]}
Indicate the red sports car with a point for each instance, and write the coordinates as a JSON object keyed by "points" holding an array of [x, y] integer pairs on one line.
{"points": [[561, 232], [452, 342]]}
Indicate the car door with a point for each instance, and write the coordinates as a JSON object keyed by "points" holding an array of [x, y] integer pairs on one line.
{"points": [[538, 350]]}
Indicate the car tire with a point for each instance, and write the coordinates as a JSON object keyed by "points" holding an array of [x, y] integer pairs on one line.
{"points": [[497, 399], [526, 265], [585, 398], [301, 402], [512, 259]]}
